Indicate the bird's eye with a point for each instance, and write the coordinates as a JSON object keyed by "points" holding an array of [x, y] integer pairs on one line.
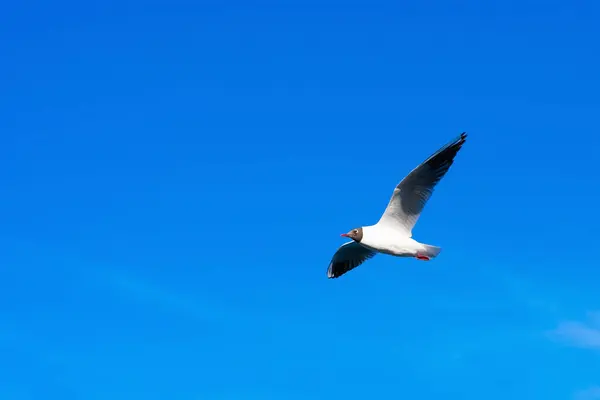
{"points": [[356, 231]]}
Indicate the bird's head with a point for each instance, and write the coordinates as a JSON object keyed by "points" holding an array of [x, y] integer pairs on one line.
{"points": [[354, 234]]}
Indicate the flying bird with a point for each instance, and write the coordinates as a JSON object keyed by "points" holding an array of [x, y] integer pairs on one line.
{"points": [[392, 234]]}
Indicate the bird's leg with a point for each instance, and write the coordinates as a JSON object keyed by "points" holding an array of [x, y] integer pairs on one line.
{"points": [[422, 257]]}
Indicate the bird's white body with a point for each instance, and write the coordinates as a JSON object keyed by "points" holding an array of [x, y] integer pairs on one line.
{"points": [[390, 241]]}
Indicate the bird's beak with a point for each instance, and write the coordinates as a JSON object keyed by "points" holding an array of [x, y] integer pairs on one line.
{"points": [[344, 235]]}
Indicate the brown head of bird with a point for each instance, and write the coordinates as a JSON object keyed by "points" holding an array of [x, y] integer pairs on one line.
{"points": [[354, 234]]}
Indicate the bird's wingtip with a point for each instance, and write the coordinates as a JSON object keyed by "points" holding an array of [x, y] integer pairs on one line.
{"points": [[330, 272]]}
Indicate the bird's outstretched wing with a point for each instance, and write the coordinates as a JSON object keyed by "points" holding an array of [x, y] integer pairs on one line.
{"points": [[349, 256], [411, 195]]}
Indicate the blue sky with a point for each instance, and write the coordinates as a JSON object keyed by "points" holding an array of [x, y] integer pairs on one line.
{"points": [[175, 177]]}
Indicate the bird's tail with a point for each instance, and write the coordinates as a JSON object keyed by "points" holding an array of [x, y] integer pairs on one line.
{"points": [[431, 251]]}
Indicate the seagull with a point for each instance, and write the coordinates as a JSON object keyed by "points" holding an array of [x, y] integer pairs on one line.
{"points": [[392, 234]]}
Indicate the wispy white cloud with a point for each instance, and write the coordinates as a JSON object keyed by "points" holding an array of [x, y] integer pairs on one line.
{"points": [[592, 393], [580, 334], [159, 295]]}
